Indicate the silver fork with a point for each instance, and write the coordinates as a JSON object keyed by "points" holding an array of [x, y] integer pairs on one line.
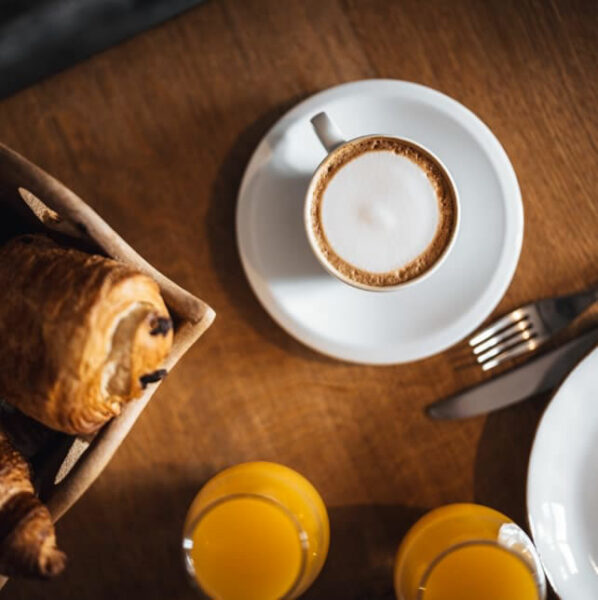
{"points": [[527, 327]]}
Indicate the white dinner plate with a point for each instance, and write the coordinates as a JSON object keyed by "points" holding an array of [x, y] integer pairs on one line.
{"points": [[562, 485], [379, 327]]}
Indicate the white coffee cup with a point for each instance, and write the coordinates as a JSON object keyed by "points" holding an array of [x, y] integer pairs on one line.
{"points": [[335, 143]]}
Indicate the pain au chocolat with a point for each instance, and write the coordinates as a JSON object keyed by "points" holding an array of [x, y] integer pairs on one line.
{"points": [[81, 334]]}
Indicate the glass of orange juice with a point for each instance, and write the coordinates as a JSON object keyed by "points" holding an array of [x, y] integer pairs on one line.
{"points": [[256, 531], [467, 552]]}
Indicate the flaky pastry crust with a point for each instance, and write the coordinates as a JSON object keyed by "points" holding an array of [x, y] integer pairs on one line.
{"points": [[82, 334], [27, 538]]}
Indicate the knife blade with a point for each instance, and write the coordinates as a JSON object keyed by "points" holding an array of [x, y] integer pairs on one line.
{"points": [[538, 375]]}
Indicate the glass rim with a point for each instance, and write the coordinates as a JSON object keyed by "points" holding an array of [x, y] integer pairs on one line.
{"points": [[474, 542], [187, 542]]}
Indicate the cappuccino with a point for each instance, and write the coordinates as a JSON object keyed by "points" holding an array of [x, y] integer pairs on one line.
{"points": [[382, 211]]}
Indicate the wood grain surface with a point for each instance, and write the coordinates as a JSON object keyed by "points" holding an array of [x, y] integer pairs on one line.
{"points": [[155, 134]]}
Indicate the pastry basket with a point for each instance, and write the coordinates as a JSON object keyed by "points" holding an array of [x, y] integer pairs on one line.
{"points": [[33, 201]]}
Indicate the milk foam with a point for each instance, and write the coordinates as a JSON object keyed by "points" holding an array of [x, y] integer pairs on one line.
{"points": [[379, 211]]}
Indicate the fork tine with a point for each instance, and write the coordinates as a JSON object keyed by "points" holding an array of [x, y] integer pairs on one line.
{"points": [[523, 348], [505, 345], [503, 335], [502, 323]]}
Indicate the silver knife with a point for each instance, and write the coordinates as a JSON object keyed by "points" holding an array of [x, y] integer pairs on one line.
{"points": [[538, 375]]}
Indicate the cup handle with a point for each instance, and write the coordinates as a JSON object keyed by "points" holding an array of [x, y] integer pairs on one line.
{"points": [[328, 133]]}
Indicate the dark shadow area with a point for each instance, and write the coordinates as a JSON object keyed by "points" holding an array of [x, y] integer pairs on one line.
{"points": [[222, 238], [503, 456], [127, 539], [364, 541], [41, 37]]}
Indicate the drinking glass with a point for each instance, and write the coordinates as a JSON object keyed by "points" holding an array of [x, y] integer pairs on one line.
{"points": [[467, 552], [256, 531]]}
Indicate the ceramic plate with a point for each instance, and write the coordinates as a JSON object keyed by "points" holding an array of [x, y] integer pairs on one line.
{"points": [[562, 485]]}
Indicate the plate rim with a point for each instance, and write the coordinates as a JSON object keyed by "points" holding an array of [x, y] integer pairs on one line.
{"points": [[506, 179], [533, 457]]}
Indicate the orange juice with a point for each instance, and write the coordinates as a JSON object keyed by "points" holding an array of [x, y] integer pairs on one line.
{"points": [[480, 571], [256, 531], [467, 552]]}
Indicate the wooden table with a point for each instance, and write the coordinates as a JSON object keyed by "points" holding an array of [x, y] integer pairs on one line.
{"points": [[155, 134]]}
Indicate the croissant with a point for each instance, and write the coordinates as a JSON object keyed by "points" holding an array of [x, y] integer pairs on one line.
{"points": [[27, 539], [81, 334]]}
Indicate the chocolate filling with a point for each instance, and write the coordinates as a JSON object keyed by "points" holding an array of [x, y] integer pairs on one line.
{"points": [[152, 377], [160, 326]]}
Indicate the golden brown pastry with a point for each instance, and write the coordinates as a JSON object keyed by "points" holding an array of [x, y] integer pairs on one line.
{"points": [[27, 540], [81, 334]]}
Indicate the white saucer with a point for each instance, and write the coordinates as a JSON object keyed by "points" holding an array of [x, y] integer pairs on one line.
{"points": [[378, 327], [562, 485]]}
